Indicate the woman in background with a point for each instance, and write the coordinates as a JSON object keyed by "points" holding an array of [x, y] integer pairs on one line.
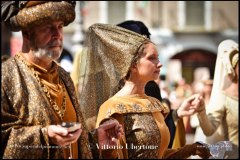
{"points": [[223, 103]]}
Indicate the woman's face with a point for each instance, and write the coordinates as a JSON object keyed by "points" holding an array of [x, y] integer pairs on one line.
{"points": [[148, 66]]}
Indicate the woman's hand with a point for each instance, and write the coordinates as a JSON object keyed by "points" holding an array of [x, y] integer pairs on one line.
{"points": [[192, 104]]}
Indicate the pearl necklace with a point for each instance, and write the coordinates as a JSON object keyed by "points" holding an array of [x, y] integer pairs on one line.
{"points": [[60, 112]]}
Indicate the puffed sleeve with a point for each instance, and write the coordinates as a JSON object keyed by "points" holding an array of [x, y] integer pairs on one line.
{"points": [[210, 122]]}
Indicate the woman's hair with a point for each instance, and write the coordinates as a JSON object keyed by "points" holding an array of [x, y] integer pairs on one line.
{"points": [[5, 58], [233, 57], [141, 52]]}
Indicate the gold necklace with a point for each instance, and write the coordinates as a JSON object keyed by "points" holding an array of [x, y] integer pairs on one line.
{"points": [[60, 112]]}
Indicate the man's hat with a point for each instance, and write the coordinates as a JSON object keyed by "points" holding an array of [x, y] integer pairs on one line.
{"points": [[19, 15]]}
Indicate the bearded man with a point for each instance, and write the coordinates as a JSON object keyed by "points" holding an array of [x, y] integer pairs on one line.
{"points": [[37, 94]]}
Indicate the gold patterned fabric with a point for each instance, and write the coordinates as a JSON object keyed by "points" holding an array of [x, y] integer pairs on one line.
{"points": [[110, 51], [52, 81], [26, 109], [20, 15], [35, 15], [146, 134]]}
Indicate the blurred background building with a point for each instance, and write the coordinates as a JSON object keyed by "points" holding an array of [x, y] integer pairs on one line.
{"points": [[186, 33]]}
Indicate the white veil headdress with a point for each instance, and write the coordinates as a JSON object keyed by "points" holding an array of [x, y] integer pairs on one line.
{"points": [[227, 58]]}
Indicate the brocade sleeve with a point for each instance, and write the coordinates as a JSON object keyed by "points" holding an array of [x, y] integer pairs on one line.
{"points": [[18, 140]]}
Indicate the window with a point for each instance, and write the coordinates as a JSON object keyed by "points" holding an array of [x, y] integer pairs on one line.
{"points": [[116, 10], [194, 13]]}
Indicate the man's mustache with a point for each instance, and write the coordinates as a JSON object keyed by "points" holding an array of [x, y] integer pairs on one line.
{"points": [[55, 43]]}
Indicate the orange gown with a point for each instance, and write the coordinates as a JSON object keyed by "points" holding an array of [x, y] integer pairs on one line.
{"points": [[142, 117]]}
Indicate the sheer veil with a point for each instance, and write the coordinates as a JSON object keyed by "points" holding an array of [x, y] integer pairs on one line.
{"points": [[224, 68], [110, 50]]}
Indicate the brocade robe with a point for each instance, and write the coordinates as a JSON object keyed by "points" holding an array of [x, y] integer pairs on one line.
{"points": [[26, 109]]}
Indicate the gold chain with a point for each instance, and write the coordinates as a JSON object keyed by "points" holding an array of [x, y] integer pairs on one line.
{"points": [[59, 111]]}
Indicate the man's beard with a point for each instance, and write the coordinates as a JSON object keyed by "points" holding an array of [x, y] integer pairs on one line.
{"points": [[43, 52]]}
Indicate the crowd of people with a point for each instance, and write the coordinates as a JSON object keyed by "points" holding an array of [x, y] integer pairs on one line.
{"points": [[114, 94]]}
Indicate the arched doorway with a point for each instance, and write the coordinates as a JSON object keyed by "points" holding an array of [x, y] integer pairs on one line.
{"points": [[194, 58]]}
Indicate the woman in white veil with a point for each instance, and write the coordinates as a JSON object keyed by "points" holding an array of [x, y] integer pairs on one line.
{"points": [[224, 98]]}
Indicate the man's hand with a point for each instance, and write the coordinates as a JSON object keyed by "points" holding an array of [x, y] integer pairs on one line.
{"points": [[60, 136], [202, 150], [108, 133], [191, 105]]}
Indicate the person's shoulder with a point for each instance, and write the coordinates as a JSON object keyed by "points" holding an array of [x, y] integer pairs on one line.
{"points": [[228, 95], [9, 72], [108, 107], [8, 60], [151, 98], [5, 57], [162, 105], [63, 71], [113, 103], [8, 64], [65, 76], [111, 100]]}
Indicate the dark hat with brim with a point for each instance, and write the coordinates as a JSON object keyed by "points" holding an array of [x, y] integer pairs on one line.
{"points": [[135, 26]]}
